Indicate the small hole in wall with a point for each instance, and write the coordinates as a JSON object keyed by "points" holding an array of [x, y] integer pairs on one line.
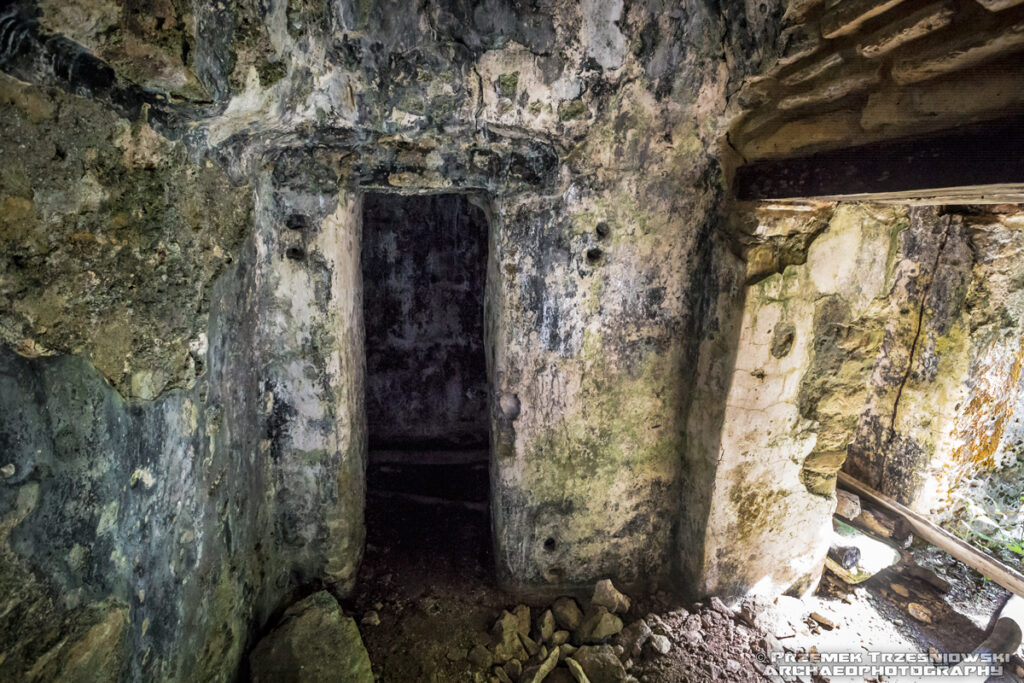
{"points": [[594, 255], [549, 544], [295, 253], [297, 221], [602, 230]]}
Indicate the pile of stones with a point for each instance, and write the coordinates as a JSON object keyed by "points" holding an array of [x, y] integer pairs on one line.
{"points": [[566, 644]]}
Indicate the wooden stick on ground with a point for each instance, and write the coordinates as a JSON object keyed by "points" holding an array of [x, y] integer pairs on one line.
{"points": [[1005, 576]]}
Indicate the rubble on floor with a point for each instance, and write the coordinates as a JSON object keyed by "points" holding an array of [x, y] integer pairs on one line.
{"points": [[606, 640]]}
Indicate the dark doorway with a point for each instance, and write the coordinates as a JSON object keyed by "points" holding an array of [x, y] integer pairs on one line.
{"points": [[424, 264]]}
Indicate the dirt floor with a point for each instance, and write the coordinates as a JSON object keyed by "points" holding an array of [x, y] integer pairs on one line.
{"points": [[428, 605]]}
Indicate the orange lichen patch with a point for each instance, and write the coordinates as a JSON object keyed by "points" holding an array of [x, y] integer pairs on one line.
{"points": [[982, 422]]}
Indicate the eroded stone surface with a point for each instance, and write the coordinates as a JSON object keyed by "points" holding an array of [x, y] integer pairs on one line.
{"points": [[654, 397], [313, 642]]}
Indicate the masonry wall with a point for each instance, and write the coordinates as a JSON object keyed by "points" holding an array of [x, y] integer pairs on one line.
{"points": [[671, 394], [867, 340]]}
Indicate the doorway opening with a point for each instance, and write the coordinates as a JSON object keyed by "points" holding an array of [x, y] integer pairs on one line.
{"points": [[424, 268]]}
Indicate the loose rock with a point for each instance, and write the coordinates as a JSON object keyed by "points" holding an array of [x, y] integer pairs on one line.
{"points": [[720, 607], [600, 664], [314, 642], [522, 613], [606, 595], [660, 644], [567, 613], [481, 657], [598, 625], [509, 646], [635, 635], [825, 622], [577, 671], [920, 612], [547, 667], [546, 626]]}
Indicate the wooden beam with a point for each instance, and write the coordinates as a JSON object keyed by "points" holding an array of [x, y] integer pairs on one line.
{"points": [[973, 164], [1005, 576]]}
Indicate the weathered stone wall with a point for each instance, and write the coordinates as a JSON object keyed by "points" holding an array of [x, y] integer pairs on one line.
{"points": [[671, 396], [671, 393], [424, 264], [882, 337]]}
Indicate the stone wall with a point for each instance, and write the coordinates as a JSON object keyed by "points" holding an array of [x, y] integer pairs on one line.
{"points": [[881, 338], [184, 239], [671, 392]]}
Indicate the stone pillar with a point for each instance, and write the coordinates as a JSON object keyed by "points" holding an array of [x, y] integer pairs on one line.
{"points": [[311, 336]]}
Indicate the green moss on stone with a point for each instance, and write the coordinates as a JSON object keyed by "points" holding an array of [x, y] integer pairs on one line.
{"points": [[508, 84], [573, 109], [270, 72]]}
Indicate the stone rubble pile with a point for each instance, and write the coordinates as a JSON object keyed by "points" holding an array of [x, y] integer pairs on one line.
{"points": [[605, 643]]}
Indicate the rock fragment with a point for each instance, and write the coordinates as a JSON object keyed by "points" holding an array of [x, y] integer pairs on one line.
{"points": [[315, 641], [522, 613], [577, 671], [606, 595], [546, 626], [529, 644], [600, 664], [481, 657], [567, 613], [825, 622], [547, 667], [920, 612], [509, 646], [720, 607], [660, 644], [634, 636], [598, 625]]}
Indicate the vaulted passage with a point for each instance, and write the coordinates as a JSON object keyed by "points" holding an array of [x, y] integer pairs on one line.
{"points": [[424, 266]]}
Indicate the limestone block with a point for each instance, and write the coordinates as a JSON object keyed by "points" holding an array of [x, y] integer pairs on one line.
{"points": [[910, 28], [832, 129], [999, 5], [843, 18], [832, 89], [964, 52], [813, 70], [797, 9], [798, 42], [945, 101]]}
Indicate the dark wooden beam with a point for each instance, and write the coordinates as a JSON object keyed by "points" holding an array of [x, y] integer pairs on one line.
{"points": [[976, 163]]}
